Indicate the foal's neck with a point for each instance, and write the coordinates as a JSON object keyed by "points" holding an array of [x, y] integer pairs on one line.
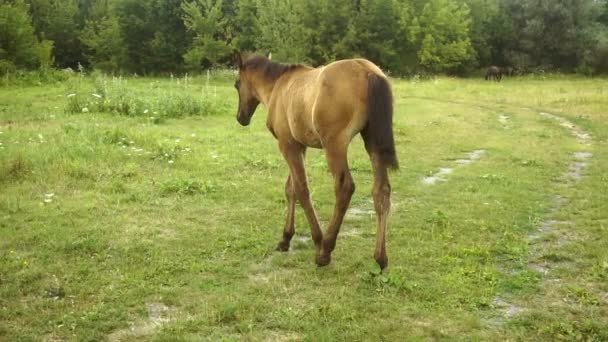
{"points": [[264, 86]]}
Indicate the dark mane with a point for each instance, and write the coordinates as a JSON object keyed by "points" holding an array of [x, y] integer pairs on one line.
{"points": [[269, 68]]}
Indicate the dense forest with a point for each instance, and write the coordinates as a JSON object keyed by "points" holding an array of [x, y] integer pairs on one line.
{"points": [[402, 36]]}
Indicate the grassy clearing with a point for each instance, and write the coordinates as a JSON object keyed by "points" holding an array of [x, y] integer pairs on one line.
{"points": [[120, 224]]}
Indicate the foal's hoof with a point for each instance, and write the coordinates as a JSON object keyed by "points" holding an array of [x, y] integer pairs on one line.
{"points": [[382, 261], [283, 246], [323, 260]]}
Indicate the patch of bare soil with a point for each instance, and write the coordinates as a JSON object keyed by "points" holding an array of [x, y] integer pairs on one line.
{"points": [[158, 314]]}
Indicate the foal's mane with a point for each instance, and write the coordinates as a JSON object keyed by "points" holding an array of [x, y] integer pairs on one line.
{"points": [[269, 68]]}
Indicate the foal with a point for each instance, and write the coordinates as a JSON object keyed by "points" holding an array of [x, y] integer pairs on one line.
{"points": [[324, 108]]}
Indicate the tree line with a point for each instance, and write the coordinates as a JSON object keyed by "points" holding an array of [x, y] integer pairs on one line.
{"points": [[402, 36]]}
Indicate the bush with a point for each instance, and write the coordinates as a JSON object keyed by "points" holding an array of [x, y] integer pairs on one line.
{"points": [[29, 78], [7, 67]]}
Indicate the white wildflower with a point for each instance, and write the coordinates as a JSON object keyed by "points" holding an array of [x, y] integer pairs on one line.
{"points": [[170, 161], [193, 135], [49, 195], [48, 200], [177, 141], [214, 156], [96, 95], [146, 111], [71, 95], [166, 154], [85, 110], [40, 137]]}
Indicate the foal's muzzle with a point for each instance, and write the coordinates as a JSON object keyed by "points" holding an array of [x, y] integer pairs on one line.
{"points": [[243, 118]]}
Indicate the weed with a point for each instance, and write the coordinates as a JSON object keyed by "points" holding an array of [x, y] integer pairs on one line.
{"points": [[15, 169], [185, 187]]}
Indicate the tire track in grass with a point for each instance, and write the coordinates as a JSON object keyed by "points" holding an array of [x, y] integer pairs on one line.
{"points": [[158, 315], [440, 176], [551, 234]]}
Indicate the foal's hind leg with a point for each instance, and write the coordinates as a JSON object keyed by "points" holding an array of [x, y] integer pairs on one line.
{"points": [[289, 229], [382, 204], [336, 153]]}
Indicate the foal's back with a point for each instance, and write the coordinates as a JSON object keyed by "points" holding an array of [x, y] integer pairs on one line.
{"points": [[325, 102]]}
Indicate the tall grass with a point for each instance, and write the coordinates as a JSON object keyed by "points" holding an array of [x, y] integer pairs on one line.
{"points": [[116, 95]]}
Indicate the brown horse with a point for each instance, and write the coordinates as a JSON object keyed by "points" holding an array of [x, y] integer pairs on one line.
{"points": [[324, 108], [493, 73]]}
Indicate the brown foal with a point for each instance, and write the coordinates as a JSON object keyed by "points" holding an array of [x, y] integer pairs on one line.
{"points": [[324, 108]]}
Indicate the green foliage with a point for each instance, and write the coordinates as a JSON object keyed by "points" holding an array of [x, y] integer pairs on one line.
{"points": [[443, 36], [378, 31], [281, 29], [58, 21], [103, 37], [404, 37], [204, 18], [327, 22], [19, 47], [246, 26], [552, 34]]}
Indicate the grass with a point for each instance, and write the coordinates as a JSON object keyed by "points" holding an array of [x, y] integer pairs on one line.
{"points": [[109, 213]]}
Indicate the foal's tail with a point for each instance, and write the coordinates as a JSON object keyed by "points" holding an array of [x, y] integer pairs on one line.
{"points": [[378, 134]]}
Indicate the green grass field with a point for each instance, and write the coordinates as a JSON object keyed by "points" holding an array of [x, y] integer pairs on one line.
{"points": [[122, 219]]}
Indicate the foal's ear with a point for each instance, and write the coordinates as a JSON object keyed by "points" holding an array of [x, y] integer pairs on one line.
{"points": [[238, 60]]}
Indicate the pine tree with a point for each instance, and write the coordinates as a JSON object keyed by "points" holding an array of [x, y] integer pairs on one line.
{"points": [[205, 20]]}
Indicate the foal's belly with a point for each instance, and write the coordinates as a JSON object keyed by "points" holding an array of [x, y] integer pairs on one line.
{"points": [[308, 138], [303, 131]]}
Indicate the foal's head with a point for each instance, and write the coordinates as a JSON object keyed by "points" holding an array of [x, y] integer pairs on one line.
{"points": [[248, 98]]}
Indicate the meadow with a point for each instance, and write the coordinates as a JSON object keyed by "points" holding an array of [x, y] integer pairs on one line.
{"points": [[138, 209]]}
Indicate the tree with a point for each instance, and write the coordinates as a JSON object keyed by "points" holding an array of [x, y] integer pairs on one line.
{"points": [[484, 19], [246, 26], [282, 31], [170, 40], [58, 21], [19, 46], [551, 34], [102, 36], [442, 34], [326, 23], [378, 33], [204, 18]]}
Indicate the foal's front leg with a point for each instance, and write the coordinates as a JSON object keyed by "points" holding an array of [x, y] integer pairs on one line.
{"points": [[294, 155], [289, 229]]}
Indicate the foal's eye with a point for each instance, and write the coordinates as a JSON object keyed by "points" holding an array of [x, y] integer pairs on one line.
{"points": [[237, 84]]}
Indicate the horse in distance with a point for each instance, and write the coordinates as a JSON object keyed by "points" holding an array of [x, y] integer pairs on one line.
{"points": [[493, 73]]}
